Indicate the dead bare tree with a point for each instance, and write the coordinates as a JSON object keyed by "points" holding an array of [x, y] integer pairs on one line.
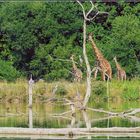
{"points": [[89, 71]]}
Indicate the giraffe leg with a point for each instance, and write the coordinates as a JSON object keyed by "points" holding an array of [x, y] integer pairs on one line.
{"points": [[109, 75], [121, 77], [118, 75], [125, 76], [95, 73], [79, 79], [75, 79], [103, 76]]}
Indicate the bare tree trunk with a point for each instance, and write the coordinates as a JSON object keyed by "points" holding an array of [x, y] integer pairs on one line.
{"points": [[86, 18], [88, 89], [30, 103]]}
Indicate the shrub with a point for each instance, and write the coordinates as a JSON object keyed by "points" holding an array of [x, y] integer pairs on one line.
{"points": [[7, 71], [61, 91], [131, 93], [98, 91], [98, 88]]}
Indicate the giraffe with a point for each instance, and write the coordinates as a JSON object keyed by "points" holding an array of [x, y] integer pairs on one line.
{"points": [[103, 64], [121, 74], [77, 72]]}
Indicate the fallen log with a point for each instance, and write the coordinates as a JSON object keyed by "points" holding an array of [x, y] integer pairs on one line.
{"points": [[66, 131]]}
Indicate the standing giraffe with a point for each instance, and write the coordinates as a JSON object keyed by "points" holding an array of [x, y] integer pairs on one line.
{"points": [[103, 64], [121, 74], [77, 72]]}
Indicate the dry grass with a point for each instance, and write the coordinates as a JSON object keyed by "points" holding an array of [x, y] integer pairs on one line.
{"points": [[18, 91]]}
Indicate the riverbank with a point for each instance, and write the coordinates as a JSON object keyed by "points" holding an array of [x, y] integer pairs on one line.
{"points": [[42, 91]]}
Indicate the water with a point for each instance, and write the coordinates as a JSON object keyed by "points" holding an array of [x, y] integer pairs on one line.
{"points": [[79, 137], [16, 115]]}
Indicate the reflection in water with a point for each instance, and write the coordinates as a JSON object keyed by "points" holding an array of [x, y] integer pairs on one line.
{"points": [[86, 118], [30, 117], [42, 117], [73, 120], [94, 137]]}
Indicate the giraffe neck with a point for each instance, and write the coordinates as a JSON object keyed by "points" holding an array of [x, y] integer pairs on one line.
{"points": [[74, 65], [117, 65], [98, 54]]}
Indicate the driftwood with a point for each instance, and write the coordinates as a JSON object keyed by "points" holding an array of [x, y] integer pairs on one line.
{"points": [[67, 131], [133, 118], [132, 111], [64, 113], [103, 111], [73, 105], [13, 114], [125, 114]]}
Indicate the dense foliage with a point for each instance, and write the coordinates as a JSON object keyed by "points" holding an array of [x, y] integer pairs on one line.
{"points": [[36, 36], [7, 71]]}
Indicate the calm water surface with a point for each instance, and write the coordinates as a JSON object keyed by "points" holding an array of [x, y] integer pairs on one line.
{"points": [[16, 115], [42, 116]]}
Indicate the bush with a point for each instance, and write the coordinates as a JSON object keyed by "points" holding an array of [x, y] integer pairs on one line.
{"points": [[61, 91], [98, 91], [131, 93], [7, 71], [98, 88]]}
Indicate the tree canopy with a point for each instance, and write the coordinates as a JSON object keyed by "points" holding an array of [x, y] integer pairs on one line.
{"points": [[35, 36]]}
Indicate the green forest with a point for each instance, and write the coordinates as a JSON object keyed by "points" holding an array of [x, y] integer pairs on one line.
{"points": [[36, 36]]}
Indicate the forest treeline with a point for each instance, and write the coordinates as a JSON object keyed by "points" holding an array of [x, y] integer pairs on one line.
{"points": [[36, 38]]}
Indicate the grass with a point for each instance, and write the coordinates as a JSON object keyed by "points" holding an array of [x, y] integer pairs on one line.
{"points": [[127, 90], [118, 90]]}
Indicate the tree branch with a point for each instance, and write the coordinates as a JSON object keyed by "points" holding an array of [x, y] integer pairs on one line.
{"points": [[133, 112], [64, 113], [86, 14], [90, 19], [103, 111], [83, 9], [92, 7]]}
